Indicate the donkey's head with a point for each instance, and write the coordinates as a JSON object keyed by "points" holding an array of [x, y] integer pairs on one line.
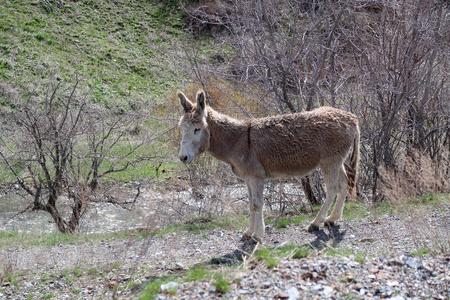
{"points": [[195, 132]]}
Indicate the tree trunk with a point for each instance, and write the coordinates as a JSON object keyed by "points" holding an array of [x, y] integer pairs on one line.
{"points": [[60, 223], [308, 191]]}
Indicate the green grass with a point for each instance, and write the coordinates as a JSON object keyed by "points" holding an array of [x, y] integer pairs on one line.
{"points": [[197, 273], [420, 252], [222, 286], [269, 256], [200, 224], [195, 225], [118, 46], [272, 256], [11, 239], [77, 271]]}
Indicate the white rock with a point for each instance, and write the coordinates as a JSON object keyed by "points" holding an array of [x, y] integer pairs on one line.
{"points": [[172, 285], [327, 290], [293, 293]]}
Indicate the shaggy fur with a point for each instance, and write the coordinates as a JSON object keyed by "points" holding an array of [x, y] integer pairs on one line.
{"points": [[281, 146]]}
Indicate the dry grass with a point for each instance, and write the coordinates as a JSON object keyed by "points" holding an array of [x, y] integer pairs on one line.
{"points": [[421, 181]]}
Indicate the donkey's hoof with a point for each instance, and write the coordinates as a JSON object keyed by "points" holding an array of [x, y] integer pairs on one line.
{"points": [[254, 240], [312, 228], [246, 237], [329, 223], [251, 239]]}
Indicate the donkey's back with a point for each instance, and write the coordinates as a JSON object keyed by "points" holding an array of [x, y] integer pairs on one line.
{"points": [[295, 144]]}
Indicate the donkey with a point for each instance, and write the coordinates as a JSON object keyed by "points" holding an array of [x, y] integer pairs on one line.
{"points": [[272, 147]]}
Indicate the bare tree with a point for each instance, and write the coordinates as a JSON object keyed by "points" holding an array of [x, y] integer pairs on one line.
{"points": [[57, 144]]}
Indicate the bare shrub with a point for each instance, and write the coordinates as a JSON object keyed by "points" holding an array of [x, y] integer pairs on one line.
{"points": [[57, 144], [8, 264]]}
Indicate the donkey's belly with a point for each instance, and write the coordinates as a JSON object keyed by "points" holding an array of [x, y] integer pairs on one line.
{"points": [[289, 173]]}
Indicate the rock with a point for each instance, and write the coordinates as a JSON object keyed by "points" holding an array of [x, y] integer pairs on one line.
{"points": [[328, 290], [282, 295], [392, 283], [304, 267], [316, 288], [412, 262], [180, 266], [112, 284], [353, 264], [397, 298], [293, 293], [395, 263], [172, 285]]}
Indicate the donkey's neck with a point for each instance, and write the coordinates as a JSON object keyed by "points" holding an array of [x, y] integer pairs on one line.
{"points": [[226, 134]]}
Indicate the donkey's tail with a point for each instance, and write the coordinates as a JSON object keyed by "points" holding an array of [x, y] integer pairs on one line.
{"points": [[352, 167]]}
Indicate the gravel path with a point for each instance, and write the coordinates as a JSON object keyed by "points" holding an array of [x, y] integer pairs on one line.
{"points": [[365, 258]]}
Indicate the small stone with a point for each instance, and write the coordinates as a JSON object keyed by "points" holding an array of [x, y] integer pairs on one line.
{"points": [[412, 262], [304, 267], [395, 262], [180, 266], [353, 264], [327, 290], [172, 285], [374, 271], [112, 284], [392, 283], [316, 288], [382, 275], [282, 295], [397, 298], [293, 293]]}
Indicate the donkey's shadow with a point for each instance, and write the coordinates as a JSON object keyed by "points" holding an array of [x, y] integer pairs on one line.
{"points": [[329, 236], [325, 238]]}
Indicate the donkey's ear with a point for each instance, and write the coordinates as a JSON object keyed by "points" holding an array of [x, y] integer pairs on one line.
{"points": [[184, 101], [201, 100]]}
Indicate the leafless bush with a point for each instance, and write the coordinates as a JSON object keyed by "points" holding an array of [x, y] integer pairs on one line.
{"points": [[56, 143]]}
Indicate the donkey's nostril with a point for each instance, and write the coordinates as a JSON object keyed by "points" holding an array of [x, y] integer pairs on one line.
{"points": [[184, 158]]}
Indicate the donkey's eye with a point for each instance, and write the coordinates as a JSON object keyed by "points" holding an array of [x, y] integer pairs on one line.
{"points": [[196, 130]]}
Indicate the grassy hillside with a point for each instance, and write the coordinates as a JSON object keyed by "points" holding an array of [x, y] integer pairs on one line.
{"points": [[118, 46], [122, 49]]}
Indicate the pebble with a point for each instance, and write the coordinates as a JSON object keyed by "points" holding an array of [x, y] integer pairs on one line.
{"points": [[172, 285], [293, 293]]}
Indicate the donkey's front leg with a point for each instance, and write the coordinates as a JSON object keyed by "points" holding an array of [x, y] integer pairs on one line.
{"points": [[255, 230]]}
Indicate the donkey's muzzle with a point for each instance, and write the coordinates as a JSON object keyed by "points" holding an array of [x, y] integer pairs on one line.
{"points": [[185, 158]]}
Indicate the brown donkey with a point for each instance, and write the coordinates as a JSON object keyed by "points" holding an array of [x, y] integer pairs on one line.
{"points": [[280, 146]]}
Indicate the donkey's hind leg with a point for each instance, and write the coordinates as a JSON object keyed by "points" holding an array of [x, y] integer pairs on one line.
{"points": [[330, 174], [336, 214], [255, 230], [251, 227]]}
